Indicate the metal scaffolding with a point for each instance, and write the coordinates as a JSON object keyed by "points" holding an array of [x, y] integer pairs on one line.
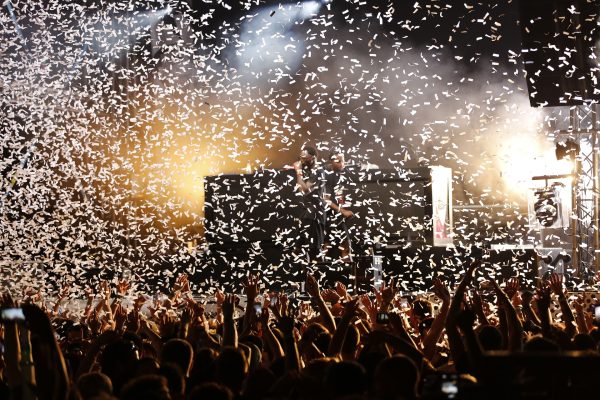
{"points": [[584, 228]]}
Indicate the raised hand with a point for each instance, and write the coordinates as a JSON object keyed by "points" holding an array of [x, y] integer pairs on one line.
{"points": [[251, 287], [312, 286], [441, 290], [123, 286], [94, 322], [341, 290], [556, 284], [330, 295], [283, 302], [185, 284], [512, 287], [286, 324], [186, 315], [133, 321], [105, 290], [350, 310], [63, 292], [370, 308], [229, 306], [388, 292], [264, 317], [219, 297], [120, 316]]}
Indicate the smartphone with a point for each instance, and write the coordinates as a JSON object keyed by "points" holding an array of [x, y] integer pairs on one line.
{"points": [[258, 309], [597, 313], [404, 304], [441, 386], [383, 318], [12, 314]]}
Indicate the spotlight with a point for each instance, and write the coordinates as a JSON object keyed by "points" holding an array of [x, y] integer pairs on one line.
{"points": [[569, 149]]}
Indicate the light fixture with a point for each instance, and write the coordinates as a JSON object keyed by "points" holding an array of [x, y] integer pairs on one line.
{"points": [[546, 206]]}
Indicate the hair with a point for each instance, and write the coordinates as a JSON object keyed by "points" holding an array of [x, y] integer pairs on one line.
{"points": [[146, 366], [258, 383], [118, 361], [334, 153], [311, 150], [253, 339], [396, 376], [94, 384], [149, 387], [583, 341], [203, 369], [490, 338], [541, 344], [211, 391], [175, 379], [345, 378], [178, 352], [422, 308], [231, 368]]}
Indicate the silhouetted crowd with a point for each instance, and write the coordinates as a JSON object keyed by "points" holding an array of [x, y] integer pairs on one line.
{"points": [[482, 339]]}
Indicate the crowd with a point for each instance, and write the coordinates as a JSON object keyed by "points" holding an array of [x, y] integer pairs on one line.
{"points": [[482, 339]]}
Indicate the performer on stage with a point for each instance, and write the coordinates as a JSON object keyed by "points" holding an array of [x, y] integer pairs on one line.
{"points": [[311, 182], [337, 184]]}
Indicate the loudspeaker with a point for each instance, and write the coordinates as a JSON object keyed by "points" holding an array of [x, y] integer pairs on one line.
{"points": [[559, 51]]}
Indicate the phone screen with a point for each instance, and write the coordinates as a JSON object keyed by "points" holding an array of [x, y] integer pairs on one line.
{"points": [[383, 318], [13, 314]]}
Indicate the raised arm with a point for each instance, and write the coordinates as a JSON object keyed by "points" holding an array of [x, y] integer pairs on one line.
{"points": [[337, 341], [304, 186], [556, 284], [268, 336], [312, 288], [292, 356], [48, 358], [457, 349], [230, 337], [543, 307], [515, 328], [251, 291], [437, 327], [528, 312], [582, 325]]}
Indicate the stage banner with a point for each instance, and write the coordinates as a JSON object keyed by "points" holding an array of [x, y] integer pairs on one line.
{"points": [[441, 201]]}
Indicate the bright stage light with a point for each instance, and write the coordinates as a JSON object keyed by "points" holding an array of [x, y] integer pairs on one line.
{"points": [[310, 8], [269, 41], [522, 157]]}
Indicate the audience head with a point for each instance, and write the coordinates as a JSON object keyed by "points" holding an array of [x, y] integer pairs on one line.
{"points": [[396, 377], [211, 391], [178, 352], [148, 387], [345, 378], [94, 384], [490, 338], [231, 368]]}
